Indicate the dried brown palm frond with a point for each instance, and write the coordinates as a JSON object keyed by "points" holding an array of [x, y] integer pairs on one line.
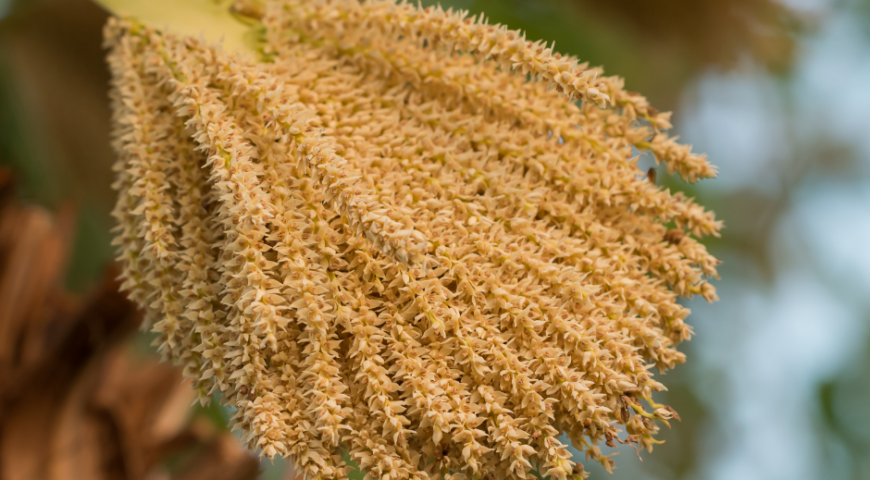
{"points": [[75, 403], [712, 31], [394, 232]]}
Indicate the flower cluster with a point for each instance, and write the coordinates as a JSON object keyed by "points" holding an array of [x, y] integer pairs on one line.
{"points": [[394, 233]]}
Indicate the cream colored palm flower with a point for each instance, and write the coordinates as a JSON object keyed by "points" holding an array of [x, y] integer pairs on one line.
{"points": [[405, 233]]}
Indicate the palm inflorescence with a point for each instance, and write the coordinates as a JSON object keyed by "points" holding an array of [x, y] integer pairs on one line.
{"points": [[405, 234]]}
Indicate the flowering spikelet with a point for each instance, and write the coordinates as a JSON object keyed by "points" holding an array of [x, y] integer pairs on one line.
{"points": [[405, 233]]}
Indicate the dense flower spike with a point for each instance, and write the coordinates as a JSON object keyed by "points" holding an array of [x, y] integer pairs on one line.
{"points": [[390, 235]]}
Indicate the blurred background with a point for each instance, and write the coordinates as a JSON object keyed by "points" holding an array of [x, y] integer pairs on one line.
{"points": [[778, 378]]}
